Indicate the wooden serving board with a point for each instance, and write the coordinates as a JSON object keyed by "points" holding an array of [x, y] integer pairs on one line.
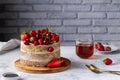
{"points": [[29, 69]]}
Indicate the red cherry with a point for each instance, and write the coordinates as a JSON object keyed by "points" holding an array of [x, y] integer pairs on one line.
{"points": [[55, 38], [38, 36], [46, 41], [50, 49], [43, 35], [33, 33], [26, 42], [36, 43], [40, 41], [37, 31], [48, 34], [44, 31]]}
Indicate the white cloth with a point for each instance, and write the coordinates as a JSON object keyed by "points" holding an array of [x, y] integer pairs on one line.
{"points": [[7, 46]]}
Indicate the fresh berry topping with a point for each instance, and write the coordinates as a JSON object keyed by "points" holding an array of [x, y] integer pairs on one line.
{"points": [[38, 36], [32, 39], [50, 49], [26, 42], [43, 37], [33, 33], [24, 32], [57, 62], [107, 48], [46, 41], [44, 31], [48, 34], [107, 61], [55, 38], [24, 36], [36, 43], [37, 31], [40, 41]]}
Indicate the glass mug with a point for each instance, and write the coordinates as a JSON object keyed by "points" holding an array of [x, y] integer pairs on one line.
{"points": [[85, 48]]}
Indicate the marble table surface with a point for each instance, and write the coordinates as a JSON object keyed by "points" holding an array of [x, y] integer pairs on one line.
{"points": [[78, 70]]}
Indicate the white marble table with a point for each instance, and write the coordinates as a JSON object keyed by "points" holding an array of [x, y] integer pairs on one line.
{"points": [[78, 71]]}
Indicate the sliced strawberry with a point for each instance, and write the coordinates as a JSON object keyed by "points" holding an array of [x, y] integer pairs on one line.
{"points": [[107, 61], [50, 49], [97, 45], [24, 36], [101, 48], [57, 62]]}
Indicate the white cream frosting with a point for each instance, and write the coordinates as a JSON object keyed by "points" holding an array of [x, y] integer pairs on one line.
{"points": [[45, 60], [45, 52], [28, 57]]}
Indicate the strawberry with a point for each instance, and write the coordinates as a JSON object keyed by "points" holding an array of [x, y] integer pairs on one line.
{"points": [[97, 45], [101, 48], [36, 43], [50, 49], [107, 48], [55, 38], [24, 36], [107, 61], [57, 62]]}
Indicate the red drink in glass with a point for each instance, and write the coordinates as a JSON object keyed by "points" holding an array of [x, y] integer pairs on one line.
{"points": [[85, 49]]}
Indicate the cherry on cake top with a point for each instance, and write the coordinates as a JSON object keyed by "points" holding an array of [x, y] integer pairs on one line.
{"points": [[39, 37]]}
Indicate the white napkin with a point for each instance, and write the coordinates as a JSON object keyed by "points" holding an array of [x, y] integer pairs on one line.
{"points": [[11, 44]]}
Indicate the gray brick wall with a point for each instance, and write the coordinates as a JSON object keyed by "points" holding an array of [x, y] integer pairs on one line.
{"points": [[71, 19]]}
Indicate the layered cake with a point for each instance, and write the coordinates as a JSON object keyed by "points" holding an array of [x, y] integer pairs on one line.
{"points": [[39, 47]]}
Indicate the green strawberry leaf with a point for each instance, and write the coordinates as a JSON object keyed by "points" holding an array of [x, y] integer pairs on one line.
{"points": [[47, 29], [24, 32]]}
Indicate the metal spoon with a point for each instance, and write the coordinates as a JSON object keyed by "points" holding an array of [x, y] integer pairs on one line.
{"points": [[95, 69]]}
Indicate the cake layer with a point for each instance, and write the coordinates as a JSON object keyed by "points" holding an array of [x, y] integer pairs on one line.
{"points": [[45, 52], [38, 59], [39, 48], [31, 63]]}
